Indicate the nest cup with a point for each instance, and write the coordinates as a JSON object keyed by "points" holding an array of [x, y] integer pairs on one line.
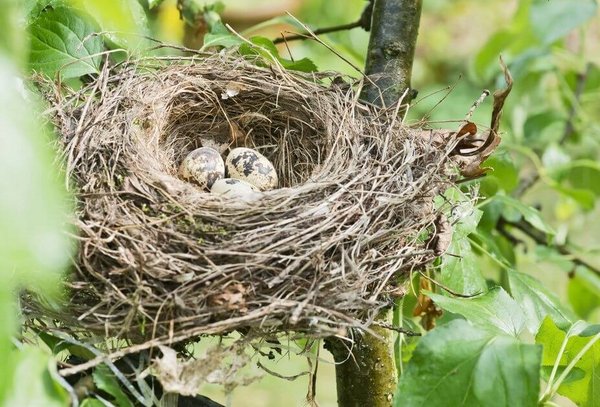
{"points": [[160, 258]]}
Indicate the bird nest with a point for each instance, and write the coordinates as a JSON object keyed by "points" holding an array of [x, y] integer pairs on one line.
{"points": [[160, 258]]}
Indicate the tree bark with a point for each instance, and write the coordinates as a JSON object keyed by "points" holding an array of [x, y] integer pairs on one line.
{"points": [[394, 29], [366, 374], [365, 370]]}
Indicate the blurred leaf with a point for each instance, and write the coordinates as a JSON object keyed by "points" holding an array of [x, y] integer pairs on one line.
{"points": [[458, 364], [552, 20], [123, 22], [554, 157], [491, 214], [584, 292], [585, 391], [584, 174], [88, 402], [107, 382], [536, 124], [514, 210], [34, 248], [12, 41], [33, 385], [63, 42], [504, 171], [32, 9], [537, 301], [152, 4], [515, 41], [494, 310], [572, 376], [496, 245], [583, 197], [220, 36], [275, 21]]}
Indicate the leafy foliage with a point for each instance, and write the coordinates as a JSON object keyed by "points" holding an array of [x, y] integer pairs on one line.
{"points": [[63, 42], [460, 365]]}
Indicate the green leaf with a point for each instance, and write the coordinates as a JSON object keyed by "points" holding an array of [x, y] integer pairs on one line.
{"points": [[12, 41], [220, 36], [552, 20], [123, 22], [504, 171], [33, 385], [574, 375], [152, 4], [265, 48], [62, 41], [585, 198], [494, 310], [584, 392], [536, 124], [459, 270], [584, 292], [584, 175], [106, 381], [537, 301], [514, 210], [458, 364], [35, 248], [92, 403]]}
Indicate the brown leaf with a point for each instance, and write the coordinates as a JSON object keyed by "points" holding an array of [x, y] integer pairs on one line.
{"points": [[471, 167], [426, 308], [232, 298], [442, 236]]}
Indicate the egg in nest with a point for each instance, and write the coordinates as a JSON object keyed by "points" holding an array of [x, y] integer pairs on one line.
{"points": [[235, 189], [251, 166], [202, 166]]}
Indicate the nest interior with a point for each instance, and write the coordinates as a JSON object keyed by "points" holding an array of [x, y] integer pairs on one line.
{"points": [[159, 257]]}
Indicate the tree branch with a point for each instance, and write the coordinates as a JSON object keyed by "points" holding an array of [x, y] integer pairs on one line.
{"points": [[391, 51], [366, 373], [364, 22], [540, 238]]}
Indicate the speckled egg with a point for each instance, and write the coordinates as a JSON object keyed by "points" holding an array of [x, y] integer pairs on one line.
{"points": [[202, 166], [251, 166], [235, 188]]}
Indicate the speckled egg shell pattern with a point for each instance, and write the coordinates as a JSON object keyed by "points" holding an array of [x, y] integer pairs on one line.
{"points": [[203, 166], [251, 166]]}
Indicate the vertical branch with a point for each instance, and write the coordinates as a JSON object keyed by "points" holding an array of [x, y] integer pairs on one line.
{"points": [[394, 29], [366, 374]]}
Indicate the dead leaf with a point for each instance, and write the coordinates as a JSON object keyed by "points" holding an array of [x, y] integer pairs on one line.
{"points": [[426, 308], [472, 160], [442, 236], [232, 298]]}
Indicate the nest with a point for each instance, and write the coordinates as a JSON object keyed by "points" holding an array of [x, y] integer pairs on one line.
{"points": [[160, 258]]}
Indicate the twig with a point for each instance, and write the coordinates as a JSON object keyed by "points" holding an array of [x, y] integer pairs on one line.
{"points": [[319, 31], [540, 238], [364, 22], [582, 77], [395, 328], [476, 104]]}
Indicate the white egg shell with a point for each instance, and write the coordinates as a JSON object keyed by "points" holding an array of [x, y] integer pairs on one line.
{"points": [[235, 188], [251, 166], [202, 166]]}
